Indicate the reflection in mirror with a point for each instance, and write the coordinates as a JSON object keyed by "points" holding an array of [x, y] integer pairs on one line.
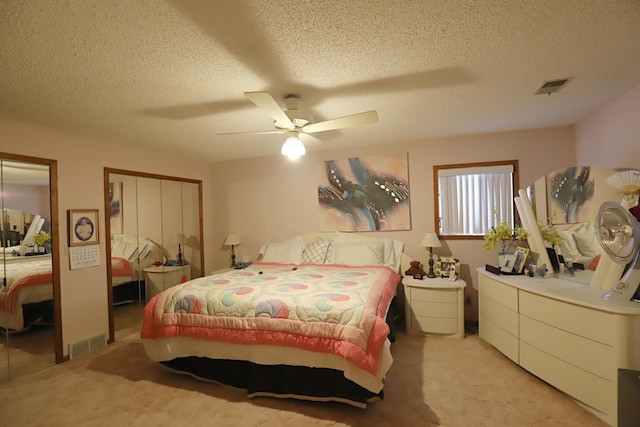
{"points": [[27, 314], [155, 228], [569, 200]]}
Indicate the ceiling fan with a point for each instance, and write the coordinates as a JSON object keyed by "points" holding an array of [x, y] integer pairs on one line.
{"points": [[294, 121]]}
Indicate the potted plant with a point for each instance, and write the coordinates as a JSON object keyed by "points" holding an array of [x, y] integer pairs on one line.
{"points": [[40, 239], [552, 237], [504, 236]]}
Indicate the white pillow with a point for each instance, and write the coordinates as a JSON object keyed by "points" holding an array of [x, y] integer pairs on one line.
{"points": [[359, 253], [569, 248], [284, 252], [587, 244], [391, 256], [316, 252]]}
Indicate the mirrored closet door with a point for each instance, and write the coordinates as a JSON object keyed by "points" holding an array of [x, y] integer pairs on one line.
{"points": [[155, 228], [29, 292]]}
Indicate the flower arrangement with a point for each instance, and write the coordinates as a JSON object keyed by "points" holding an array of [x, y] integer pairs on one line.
{"points": [[504, 236], [41, 237], [550, 235]]}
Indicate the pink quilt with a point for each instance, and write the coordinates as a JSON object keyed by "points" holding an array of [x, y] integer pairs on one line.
{"points": [[22, 274], [120, 267], [322, 308]]}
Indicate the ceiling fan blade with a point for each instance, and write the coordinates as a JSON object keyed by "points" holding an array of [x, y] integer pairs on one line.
{"points": [[260, 132], [271, 107], [365, 118]]}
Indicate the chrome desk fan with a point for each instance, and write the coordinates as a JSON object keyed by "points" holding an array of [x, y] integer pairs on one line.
{"points": [[618, 232]]}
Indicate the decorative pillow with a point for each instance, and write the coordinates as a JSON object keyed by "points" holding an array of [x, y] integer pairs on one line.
{"points": [[316, 252], [391, 256], [587, 244], [331, 253], [359, 253], [285, 252], [569, 247]]}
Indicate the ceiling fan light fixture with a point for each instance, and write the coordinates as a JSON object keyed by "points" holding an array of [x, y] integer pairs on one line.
{"points": [[293, 147]]}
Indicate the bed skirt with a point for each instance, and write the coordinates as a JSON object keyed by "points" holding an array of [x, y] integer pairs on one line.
{"points": [[280, 381]]}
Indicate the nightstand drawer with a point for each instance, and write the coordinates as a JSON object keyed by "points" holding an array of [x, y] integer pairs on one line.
{"points": [[435, 325], [434, 309], [434, 295]]}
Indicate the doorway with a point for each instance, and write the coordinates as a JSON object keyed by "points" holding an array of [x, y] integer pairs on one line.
{"points": [[30, 319]]}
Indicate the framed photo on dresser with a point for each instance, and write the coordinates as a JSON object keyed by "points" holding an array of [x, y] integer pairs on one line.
{"points": [[520, 256], [445, 266]]}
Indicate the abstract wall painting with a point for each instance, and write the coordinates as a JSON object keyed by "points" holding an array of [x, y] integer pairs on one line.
{"points": [[115, 207], [570, 194], [369, 193]]}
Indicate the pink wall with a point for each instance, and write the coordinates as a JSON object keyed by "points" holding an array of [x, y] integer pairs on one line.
{"points": [[34, 200], [610, 137], [268, 199], [80, 186]]}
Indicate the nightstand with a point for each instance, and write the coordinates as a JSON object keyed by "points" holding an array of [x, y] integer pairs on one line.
{"points": [[434, 306], [162, 277]]}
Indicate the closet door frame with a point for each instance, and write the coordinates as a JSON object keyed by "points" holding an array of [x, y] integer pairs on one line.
{"points": [[107, 222], [55, 242]]}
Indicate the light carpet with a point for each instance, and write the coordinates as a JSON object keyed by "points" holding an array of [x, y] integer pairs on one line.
{"points": [[433, 382]]}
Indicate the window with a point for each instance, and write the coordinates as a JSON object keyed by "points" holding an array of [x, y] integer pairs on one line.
{"points": [[468, 195]]}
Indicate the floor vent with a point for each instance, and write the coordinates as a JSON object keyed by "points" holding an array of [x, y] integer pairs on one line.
{"points": [[83, 348]]}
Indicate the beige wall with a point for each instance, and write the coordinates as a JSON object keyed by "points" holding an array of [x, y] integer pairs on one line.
{"points": [[80, 186]]}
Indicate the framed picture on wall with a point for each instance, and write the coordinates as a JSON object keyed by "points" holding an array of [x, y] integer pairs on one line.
{"points": [[83, 227]]}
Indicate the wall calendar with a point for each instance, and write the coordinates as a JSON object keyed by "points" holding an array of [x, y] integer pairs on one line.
{"points": [[84, 256]]}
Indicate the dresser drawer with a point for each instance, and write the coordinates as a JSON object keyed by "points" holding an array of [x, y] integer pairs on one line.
{"points": [[435, 325], [433, 295], [434, 309], [504, 295], [588, 323], [506, 343], [592, 356], [498, 314], [584, 386]]}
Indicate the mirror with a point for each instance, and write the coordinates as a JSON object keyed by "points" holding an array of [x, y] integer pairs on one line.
{"points": [[569, 199], [29, 294], [155, 228]]}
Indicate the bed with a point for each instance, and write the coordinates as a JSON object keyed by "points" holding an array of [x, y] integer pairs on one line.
{"points": [[308, 321], [130, 255], [27, 281]]}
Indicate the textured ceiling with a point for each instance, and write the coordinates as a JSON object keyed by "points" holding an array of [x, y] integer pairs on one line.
{"points": [[170, 75]]}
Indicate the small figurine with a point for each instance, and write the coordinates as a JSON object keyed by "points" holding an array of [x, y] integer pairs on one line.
{"points": [[415, 270], [542, 271]]}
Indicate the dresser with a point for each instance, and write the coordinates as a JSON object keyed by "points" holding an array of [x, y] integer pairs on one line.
{"points": [[562, 332], [434, 306]]}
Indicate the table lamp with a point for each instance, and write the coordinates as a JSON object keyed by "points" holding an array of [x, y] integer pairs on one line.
{"points": [[430, 240], [232, 240]]}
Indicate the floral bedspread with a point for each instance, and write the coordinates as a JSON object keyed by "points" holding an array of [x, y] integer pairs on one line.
{"points": [[324, 308], [22, 274]]}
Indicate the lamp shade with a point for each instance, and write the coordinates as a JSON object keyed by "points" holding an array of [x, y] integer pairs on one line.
{"points": [[293, 148], [430, 240], [232, 240]]}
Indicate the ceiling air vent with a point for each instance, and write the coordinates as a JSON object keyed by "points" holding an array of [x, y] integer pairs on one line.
{"points": [[550, 86]]}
